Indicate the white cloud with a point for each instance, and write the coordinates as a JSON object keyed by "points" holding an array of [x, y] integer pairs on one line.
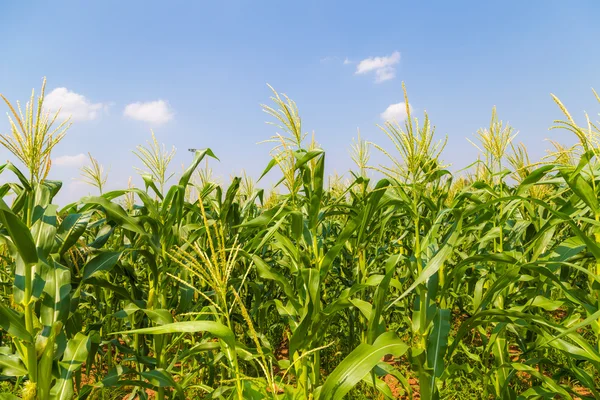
{"points": [[76, 189], [347, 61], [72, 104], [384, 74], [157, 112], [384, 67], [395, 112], [70, 161]]}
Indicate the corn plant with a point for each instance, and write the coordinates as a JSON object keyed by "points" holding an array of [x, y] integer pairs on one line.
{"points": [[48, 343]]}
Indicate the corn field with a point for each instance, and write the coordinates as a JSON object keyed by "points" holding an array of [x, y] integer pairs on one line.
{"points": [[420, 284]]}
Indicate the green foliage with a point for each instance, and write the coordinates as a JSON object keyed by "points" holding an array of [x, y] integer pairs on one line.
{"points": [[421, 284]]}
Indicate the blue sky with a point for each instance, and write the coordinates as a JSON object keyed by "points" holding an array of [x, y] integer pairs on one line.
{"points": [[209, 64]]}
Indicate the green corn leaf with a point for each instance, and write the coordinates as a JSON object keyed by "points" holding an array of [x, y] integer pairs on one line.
{"points": [[229, 198], [380, 386], [11, 365], [120, 291], [46, 359], [365, 308], [548, 382], [579, 185], [214, 328], [57, 295], [437, 343], [304, 158], [43, 230], [435, 263], [317, 193], [70, 230], [19, 233], [266, 217], [116, 213], [149, 183], [269, 167], [198, 157], [102, 237], [533, 178], [22, 178], [14, 323], [358, 364], [8, 396], [105, 261], [266, 272], [162, 378], [379, 299], [158, 316], [74, 356]]}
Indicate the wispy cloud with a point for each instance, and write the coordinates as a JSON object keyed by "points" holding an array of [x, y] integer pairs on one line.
{"points": [[384, 67], [157, 112], [70, 161], [72, 104], [347, 61], [395, 112], [328, 59]]}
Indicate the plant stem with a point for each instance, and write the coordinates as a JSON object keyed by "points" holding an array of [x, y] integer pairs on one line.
{"points": [[29, 315]]}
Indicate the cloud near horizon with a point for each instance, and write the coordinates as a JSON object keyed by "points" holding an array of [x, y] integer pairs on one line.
{"points": [[395, 112], [383, 67], [157, 112], [73, 105], [70, 161]]}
